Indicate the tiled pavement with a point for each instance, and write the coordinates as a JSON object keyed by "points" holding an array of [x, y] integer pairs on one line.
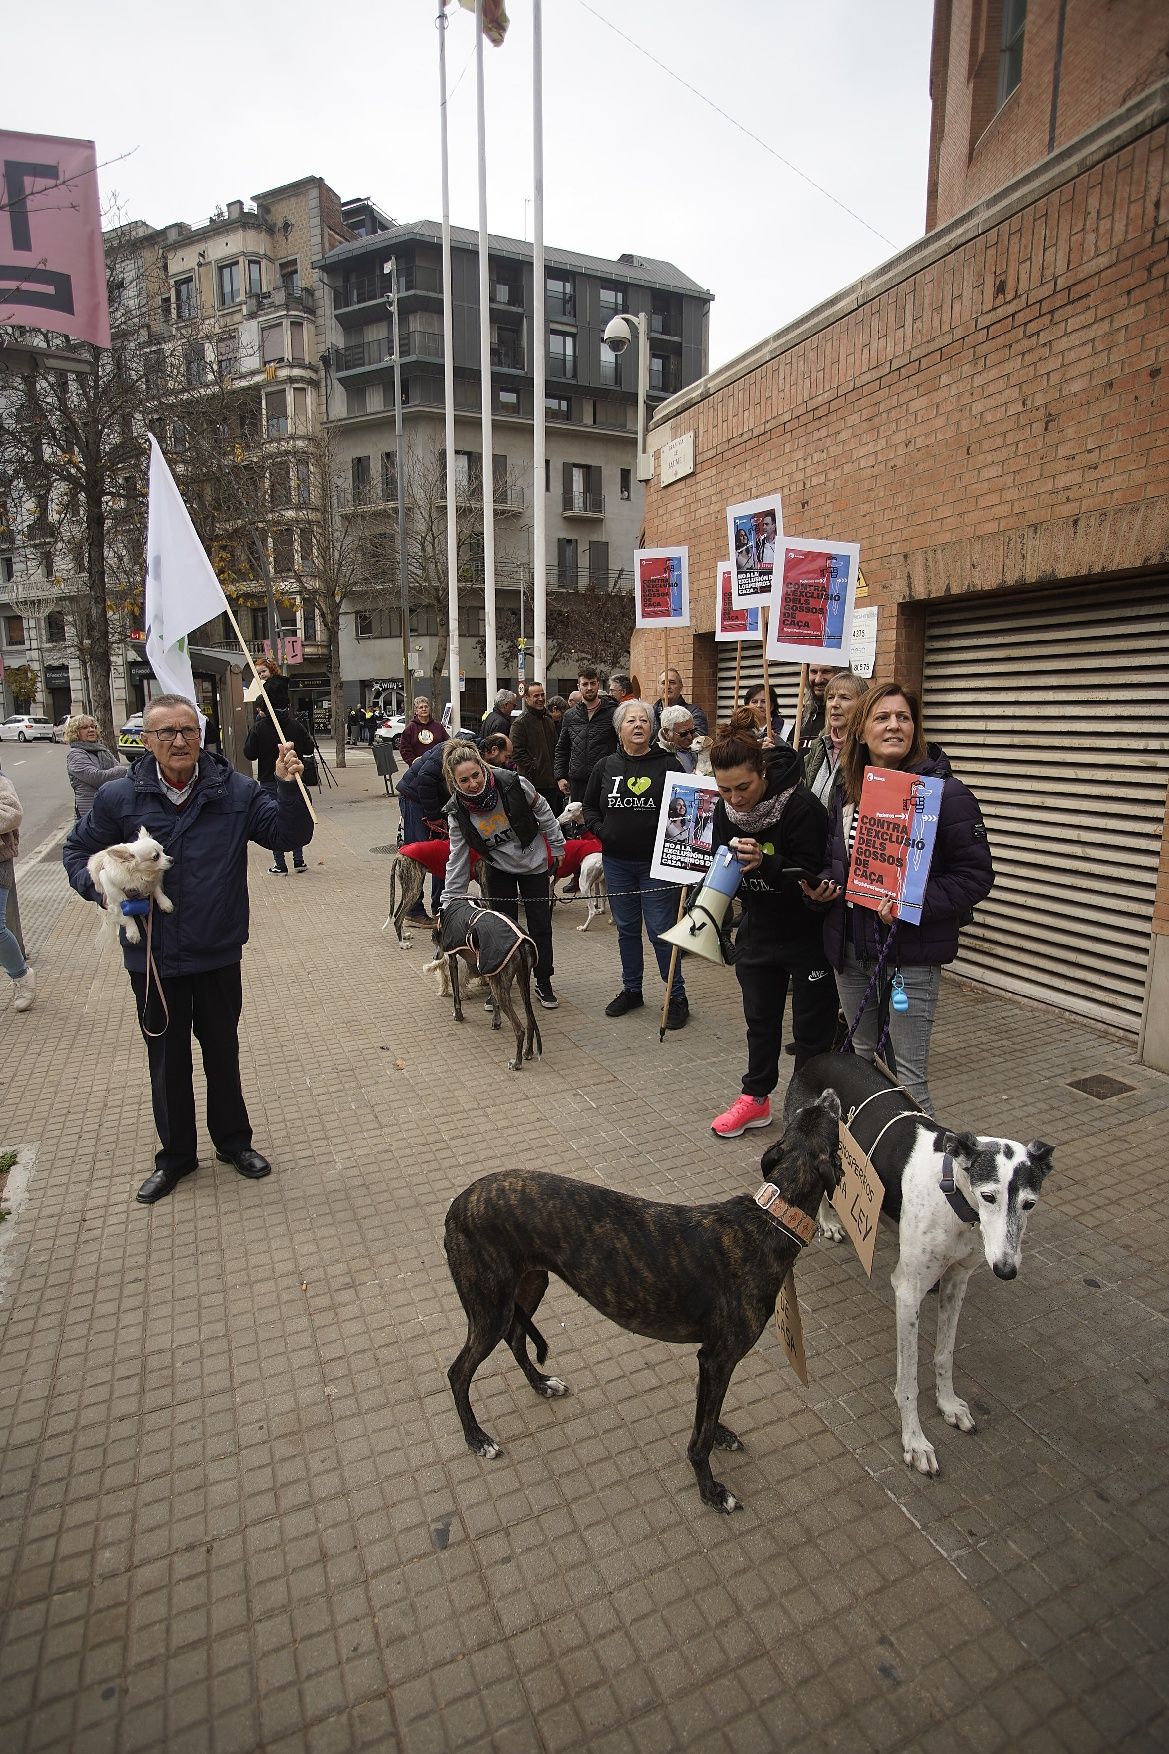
{"points": [[236, 1511]]}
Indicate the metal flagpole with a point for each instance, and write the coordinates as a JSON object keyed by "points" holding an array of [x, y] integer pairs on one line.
{"points": [[488, 470], [539, 356], [400, 469], [448, 354]]}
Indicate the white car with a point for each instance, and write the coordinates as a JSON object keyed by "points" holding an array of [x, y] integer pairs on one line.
{"points": [[25, 728], [390, 730]]}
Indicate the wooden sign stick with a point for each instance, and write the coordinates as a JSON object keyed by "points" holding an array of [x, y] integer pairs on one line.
{"points": [[738, 671], [800, 707], [766, 677], [674, 955]]}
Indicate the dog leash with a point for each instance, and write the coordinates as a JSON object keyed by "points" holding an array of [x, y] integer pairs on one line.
{"points": [[152, 973]]}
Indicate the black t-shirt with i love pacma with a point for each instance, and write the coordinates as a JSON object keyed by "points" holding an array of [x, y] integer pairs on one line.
{"points": [[622, 800]]}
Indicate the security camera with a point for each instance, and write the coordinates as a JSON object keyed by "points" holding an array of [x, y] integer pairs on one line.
{"points": [[617, 336]]}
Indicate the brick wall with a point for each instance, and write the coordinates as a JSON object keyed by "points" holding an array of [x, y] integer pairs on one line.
{"points": [[1112, 50]]}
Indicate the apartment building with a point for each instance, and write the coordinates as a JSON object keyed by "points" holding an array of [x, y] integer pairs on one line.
{"points": [[594, 503]]}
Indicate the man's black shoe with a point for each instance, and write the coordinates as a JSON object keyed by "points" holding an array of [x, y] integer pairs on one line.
{"points": [[678, 1014], [161, 1183], [248, 1162], [546, 996], [625, 1001]]}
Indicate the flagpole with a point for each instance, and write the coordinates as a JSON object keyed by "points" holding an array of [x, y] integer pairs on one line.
{"points": [[487, 469], [280, 737], [539, 356], [448, 354]]}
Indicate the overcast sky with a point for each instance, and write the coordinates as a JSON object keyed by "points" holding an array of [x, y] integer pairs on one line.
{"points": [[216, 101]]}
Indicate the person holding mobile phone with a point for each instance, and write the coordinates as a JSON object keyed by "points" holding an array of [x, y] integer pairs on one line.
{"points": [[776, 829]]}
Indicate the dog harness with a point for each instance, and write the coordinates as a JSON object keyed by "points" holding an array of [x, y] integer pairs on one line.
{"points": [[957, 1201], [795, 1224], [490, 937]]}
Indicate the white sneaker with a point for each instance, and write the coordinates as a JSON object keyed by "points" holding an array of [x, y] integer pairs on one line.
{"points": [[26, 990]]}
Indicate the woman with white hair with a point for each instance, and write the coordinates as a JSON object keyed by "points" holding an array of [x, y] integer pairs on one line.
{"points": [[89, 764], [676, 735]]}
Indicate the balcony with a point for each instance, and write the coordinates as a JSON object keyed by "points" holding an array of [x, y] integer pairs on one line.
{"points": [[666, 324], [507, 356], [583, 505], [508, 295], [281, 298], [581, 578], [366, 355]]}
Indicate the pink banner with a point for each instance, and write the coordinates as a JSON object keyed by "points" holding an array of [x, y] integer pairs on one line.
{"points": [[52, 265]]}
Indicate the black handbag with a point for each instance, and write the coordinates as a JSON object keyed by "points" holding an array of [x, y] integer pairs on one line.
{"points": [[311, 775]]}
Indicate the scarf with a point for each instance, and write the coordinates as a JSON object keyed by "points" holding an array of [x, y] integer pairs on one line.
{"points": [[765, 814], [482, 803]]}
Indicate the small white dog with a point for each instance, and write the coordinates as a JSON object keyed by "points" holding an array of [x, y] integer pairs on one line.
{"points": [[131, 871]]}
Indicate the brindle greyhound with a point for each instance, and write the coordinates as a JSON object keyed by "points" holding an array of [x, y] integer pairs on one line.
{"points": [[705, 1275], [497, 953]]}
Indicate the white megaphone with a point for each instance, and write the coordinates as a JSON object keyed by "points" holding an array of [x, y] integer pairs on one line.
{"points": [[700, 930]]}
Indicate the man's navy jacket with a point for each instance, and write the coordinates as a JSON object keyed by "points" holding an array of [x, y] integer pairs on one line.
{"points": [[207, 839]]}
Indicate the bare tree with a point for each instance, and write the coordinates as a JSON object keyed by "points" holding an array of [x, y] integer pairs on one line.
{"points": [[592, 624]]}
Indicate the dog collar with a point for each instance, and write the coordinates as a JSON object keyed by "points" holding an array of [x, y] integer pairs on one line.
{"points": [[959, 1203], [794, 1223]]}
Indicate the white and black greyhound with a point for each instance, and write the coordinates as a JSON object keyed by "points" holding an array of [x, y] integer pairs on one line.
{"points": [[950, 1194]]}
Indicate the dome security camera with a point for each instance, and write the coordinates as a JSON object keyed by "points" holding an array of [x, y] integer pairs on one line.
{"points": [[617, 336]]}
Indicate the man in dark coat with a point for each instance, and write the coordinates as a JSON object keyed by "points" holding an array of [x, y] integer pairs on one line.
{"points": [[670, 694], [533, 738], [422, 798], [203, 814], [500, 717], [586, 736]]}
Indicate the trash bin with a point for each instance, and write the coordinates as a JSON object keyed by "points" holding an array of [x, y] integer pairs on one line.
{"points": [[385, 761]]}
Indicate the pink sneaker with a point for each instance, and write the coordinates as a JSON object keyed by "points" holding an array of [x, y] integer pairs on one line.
{"points": [[748, 1111]]}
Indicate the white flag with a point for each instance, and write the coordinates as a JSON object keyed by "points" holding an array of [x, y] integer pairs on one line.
{"points": [[182, 591]]}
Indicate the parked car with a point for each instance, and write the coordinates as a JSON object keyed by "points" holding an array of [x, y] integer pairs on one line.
{"points": [[26, 728], [390, 730], [59, 728], [130, 738]]}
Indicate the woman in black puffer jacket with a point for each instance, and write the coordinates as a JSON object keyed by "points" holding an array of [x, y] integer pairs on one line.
{"points": [[886, 731]]}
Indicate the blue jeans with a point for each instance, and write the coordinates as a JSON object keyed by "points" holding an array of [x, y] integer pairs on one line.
{"points": [[414, 829], [11, 956], [278, 858], [634, 897]]}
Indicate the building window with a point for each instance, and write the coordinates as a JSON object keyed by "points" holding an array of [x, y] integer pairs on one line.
{"points": [[296, 338], [14, 630], [164, 308], [363, 624], [389, 477], [290, 277], [627, 484], [194, 364], [185, 298], [561, 354], [283, 553], [599, 565], [303, 481], [178, 436], [1011, 57], [558, 407], [613, 302], [272, 344], [276, 412], [55, 628], [7, 569], [309, 616], [560, 296], [472, 621], [508, 400], [567, 563], [610, 367], [280, 486], [424, 622], [227, 275], [227, 354], [547, 475], [255, 277], [359, 472]]}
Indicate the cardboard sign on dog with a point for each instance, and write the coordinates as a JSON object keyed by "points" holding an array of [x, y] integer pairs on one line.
{"points": [[858, 1199], [790, 1328]]}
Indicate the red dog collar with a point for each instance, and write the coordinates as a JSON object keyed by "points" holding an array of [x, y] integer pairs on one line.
{"points": [[790, 1219]]}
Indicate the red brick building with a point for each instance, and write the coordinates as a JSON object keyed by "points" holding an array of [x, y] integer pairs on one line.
{"points": [[986, 415]]}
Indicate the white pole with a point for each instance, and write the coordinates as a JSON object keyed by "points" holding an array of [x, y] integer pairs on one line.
{"points": [[448, 354], [539, 357], [489, 635]]}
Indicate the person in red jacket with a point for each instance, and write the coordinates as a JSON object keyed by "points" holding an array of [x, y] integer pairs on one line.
{"points": [[886, 731]]}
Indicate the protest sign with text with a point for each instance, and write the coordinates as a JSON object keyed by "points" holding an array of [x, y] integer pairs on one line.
{"points": [[897, 825], [731, 623], [52, 260], [661, 587], [754, 532], [790, 1328], [682, 845], [859, 1196], [812, 603]]}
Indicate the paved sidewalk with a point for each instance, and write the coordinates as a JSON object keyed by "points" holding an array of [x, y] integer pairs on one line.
{"points": [[237, 1511]]}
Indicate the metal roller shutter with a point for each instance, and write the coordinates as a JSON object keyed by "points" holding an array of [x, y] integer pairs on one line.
{"points": [[784, 678], [1053, 706]]}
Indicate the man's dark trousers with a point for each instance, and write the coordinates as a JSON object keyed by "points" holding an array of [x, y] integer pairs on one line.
{"points": [[209, 1004], [504, 890]]}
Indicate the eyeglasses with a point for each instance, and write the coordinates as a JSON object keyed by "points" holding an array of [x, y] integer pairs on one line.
{"points": [[686, 731], [171, 733]]}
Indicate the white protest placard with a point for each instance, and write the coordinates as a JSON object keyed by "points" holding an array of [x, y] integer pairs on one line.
{"points": [[862, 652], [731, 623], [754, 532], [812, 601], [790, 1328], [661, 587], [682, 846], [858, 1199]]}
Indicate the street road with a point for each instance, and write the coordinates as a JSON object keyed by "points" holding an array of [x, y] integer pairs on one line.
{"points": [[37, 770]]}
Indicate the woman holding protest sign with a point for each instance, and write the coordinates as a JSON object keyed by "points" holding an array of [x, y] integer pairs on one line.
{"points": [[776, 830], [888, 970]]}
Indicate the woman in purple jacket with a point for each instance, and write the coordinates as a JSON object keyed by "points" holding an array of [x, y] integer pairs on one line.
{"points": [[886, 731]]}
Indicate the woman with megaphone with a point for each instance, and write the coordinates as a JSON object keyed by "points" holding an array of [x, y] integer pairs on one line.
{"points": [[776, 830]]}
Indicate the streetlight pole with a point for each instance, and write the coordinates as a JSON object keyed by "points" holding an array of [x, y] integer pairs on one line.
{"points": [[645, 468], [400, 471]]}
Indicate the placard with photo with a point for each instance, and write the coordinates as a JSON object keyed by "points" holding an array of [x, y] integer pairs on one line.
{"points": [[731, 623], [754, 533], [661, 587], [813, 601], [682, 846]]}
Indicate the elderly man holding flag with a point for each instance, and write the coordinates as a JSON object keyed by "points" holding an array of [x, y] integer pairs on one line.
{"points": [[185, 971]]}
